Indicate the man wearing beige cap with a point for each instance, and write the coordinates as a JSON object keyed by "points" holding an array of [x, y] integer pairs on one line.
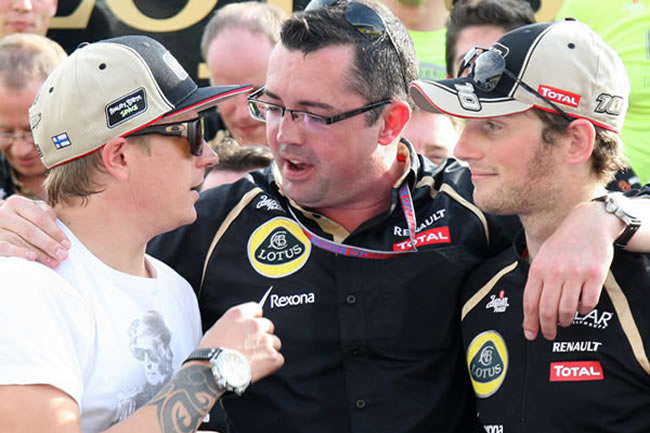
{"points": [[117, 124], [544, 106]]}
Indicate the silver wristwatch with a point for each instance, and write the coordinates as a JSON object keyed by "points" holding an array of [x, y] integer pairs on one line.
{"points": [[614, 204], [230, 368]]}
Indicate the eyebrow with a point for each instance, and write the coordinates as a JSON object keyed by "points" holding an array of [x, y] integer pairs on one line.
{"points": [[310, 104]]}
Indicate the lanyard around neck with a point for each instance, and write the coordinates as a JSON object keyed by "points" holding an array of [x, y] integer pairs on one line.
{"points": [[363, 253]]}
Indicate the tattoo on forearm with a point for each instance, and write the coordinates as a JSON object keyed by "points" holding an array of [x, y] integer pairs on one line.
{"points": [[183, 402]]}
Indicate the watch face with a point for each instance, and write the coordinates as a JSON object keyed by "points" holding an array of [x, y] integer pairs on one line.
{"points": [[233, 367]]}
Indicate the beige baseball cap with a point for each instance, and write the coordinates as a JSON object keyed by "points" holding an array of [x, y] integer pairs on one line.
{"points": [[110, 89], [564, 62]]}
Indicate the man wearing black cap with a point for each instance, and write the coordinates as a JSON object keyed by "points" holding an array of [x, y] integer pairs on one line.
{"points": [[539, 144], [117, 124]]}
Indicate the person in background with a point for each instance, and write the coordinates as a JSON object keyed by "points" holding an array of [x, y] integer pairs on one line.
{"points": [[25, 62], [26, 16], [236, 45], [235, 161], [425, 21], [434, 135], [539, 158], [480, 23]]}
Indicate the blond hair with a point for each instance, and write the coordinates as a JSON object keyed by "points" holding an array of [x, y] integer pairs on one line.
{"points": [[26, 57], [256, 17]]}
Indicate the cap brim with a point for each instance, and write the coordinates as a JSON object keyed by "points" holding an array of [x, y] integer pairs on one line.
{"points": [[208, 97], [444, 97]]}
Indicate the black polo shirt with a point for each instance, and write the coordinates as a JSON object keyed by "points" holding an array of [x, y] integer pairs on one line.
{"points": [[594, 377], [371, 345]]}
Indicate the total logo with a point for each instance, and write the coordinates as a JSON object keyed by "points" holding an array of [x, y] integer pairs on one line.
{"points": [[487, 361], [498, 305], [559, 95], [576, 371], [278, 248], [436, 235]]}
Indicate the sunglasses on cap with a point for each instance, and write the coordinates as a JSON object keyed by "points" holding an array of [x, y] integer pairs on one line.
{"points": [[191, 130], [485, 67], [364, 19]]}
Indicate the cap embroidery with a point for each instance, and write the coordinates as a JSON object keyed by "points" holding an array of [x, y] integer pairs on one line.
{"points": [[126, 107], [174, 65], [62, 140]]}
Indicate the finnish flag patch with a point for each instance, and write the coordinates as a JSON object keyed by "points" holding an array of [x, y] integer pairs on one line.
{"points": [[61, 141]]}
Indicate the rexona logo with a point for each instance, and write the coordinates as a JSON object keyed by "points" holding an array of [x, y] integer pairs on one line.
{"points": [[487, 361], [278, 248], [576, 371], [292, 300], [559, 95]]}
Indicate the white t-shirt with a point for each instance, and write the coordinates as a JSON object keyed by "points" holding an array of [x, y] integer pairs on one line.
{"points": [[108, 339]]}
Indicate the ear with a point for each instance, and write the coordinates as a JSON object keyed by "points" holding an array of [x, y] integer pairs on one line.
{"points": [[581, 136], [116, 159], [394, 119], [55, 6]]}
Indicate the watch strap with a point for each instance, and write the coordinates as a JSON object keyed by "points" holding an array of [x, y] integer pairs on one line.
{"points": [[632, 223], [203, 354]]}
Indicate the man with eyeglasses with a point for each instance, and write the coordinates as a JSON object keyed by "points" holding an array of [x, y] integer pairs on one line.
{"points": [[25, 61], [540, 143], [93, 346], [355, 246]]}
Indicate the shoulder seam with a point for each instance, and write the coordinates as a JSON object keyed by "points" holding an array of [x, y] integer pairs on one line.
{"points": [[483, 291], [626, 319], [470, 206], [232, 215]]}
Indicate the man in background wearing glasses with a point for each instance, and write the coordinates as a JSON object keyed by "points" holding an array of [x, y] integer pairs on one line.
{"points": [[539, 143], [117, 125], [356, 246], [25, 62]]}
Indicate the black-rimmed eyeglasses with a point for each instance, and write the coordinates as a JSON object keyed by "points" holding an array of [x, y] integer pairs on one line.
{"points": [[486, 67], [191, 130], [272, 113]]}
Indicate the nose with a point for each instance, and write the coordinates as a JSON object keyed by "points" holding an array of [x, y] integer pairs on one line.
{"points": [[287, 130], [208, 158], [22, 147], [22, 5], [241, 107], [465, 150]]}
